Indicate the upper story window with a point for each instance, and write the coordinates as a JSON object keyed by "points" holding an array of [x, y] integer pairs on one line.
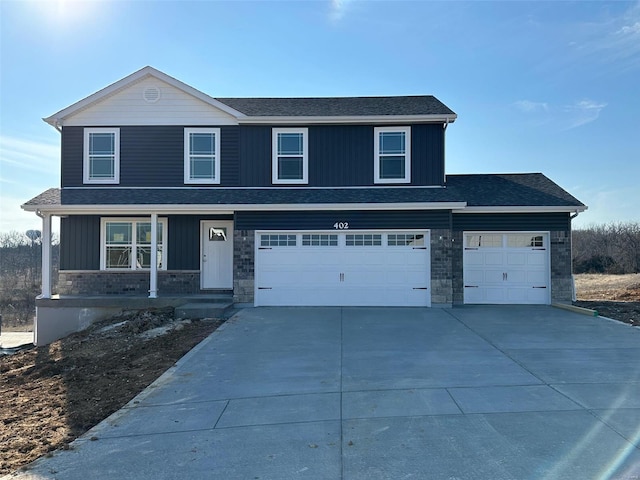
{"points": [[202, 155], [101, 162], [392, 155], [290, 160]]}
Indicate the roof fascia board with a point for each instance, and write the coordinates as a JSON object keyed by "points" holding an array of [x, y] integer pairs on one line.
{"points": [[524, 209], [58, 118], [374, 119], [229, 208]]}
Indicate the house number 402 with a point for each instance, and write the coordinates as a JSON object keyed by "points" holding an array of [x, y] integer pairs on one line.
{"points": [[341, 225]]}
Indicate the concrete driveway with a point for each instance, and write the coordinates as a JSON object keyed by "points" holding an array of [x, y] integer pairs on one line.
{"points": [[382, 393]]}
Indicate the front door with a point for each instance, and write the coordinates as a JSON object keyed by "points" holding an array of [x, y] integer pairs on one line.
{"points": [[216, 259]]}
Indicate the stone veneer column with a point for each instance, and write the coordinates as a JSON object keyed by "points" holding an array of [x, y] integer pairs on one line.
{"points": [[441, 268], [243, 265], [457, 268], [561, 271]]}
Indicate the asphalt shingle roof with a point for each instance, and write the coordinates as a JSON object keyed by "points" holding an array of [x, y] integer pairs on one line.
{"points": [[492, 190], [338, 106]]}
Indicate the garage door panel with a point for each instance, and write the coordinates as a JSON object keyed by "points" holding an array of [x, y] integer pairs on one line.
{"points": [[538, 258], [350, 273], [511, 273], [473, 257], [516, 258], [493, 258]]}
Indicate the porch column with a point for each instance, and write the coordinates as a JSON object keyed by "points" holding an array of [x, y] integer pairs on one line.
{"points": [[153, 275], [46, 255]]}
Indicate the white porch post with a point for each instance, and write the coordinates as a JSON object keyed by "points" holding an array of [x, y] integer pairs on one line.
{"points": [[153, 275], [46, 255]]}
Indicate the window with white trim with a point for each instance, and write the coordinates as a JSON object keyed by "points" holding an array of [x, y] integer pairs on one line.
{"points": [[290, 155], [319, 240], [392, 147], [363, 240], [405, 240], [202, 155], [277, 240], [101, 158], [126, 244]]}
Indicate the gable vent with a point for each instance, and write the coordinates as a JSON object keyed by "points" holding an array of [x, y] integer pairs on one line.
{"points": [[151, 94]]}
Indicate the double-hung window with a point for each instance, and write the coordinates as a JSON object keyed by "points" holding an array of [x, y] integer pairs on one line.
{"points": [[392, 155], [101, 162], [290, 159], [126, 244], [202, 155]]}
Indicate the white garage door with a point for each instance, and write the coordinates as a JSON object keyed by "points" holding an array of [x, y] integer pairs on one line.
{"points": [[506, 268], [351, 268]]}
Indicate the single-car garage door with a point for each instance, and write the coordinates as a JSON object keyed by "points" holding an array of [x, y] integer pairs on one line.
{"points": [[506, 267], [353, 268]]}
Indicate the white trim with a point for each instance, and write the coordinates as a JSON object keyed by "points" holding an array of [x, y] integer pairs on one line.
{"points": [[275, 187], [522, 209], [46, 256], [86, 178], [58, 118], [134, 245], [153, 274], [230, 208], [376, 155], [347, 119], [187, 157], [275, 155]]}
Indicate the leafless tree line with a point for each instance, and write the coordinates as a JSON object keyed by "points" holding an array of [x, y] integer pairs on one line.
{"points": [[608, 248], [20, 275]]}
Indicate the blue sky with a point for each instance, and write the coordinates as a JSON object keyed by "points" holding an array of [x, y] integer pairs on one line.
{"points": [[548, 87]]}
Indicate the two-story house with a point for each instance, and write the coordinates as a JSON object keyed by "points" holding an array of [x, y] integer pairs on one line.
{"points": [[293, 201]]}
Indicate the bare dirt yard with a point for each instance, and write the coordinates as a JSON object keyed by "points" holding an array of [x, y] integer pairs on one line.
{"points": [[51, 395], [613, 296]]}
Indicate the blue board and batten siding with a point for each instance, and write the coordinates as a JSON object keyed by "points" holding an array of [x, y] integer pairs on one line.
{"points": [[356, 220], [80, 241], [339, 155], [512, 222]]}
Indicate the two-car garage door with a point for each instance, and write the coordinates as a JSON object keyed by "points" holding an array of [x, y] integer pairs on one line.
{"points": [[506, 268], [343, 268]]}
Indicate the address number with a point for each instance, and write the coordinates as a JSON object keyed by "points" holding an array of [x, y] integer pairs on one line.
{"points": [[341, 225]]}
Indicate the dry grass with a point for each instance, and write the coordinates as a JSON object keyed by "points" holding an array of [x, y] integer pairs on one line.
{"points": [[624, 288]]}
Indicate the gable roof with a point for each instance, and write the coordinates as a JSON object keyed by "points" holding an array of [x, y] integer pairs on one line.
{"points": [[130, 80], [527, 192], [388, 109]]}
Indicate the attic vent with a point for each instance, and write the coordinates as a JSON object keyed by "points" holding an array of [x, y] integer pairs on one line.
{"points": [[151, 94]]}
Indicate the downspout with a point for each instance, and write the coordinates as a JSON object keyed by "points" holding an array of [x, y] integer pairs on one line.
{"points": [[573, 280], [444, 150]]}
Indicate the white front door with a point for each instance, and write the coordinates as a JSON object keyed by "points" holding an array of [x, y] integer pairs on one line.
{"points": [[354, 268], [216, 257], [507, 268]]}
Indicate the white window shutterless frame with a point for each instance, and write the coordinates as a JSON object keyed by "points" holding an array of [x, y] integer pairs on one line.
{"points": [[201, 155], [126, 243], [101, 156], [290, 156], [392, 155]]}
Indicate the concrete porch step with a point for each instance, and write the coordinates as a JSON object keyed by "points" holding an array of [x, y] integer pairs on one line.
{"points": [[202, 310]]}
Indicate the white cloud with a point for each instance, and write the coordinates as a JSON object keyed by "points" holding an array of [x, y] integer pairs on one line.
{"points": [[614, 40], [26, 154], [527, 106], [583, 112], [338, 10], [564, 117]]}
